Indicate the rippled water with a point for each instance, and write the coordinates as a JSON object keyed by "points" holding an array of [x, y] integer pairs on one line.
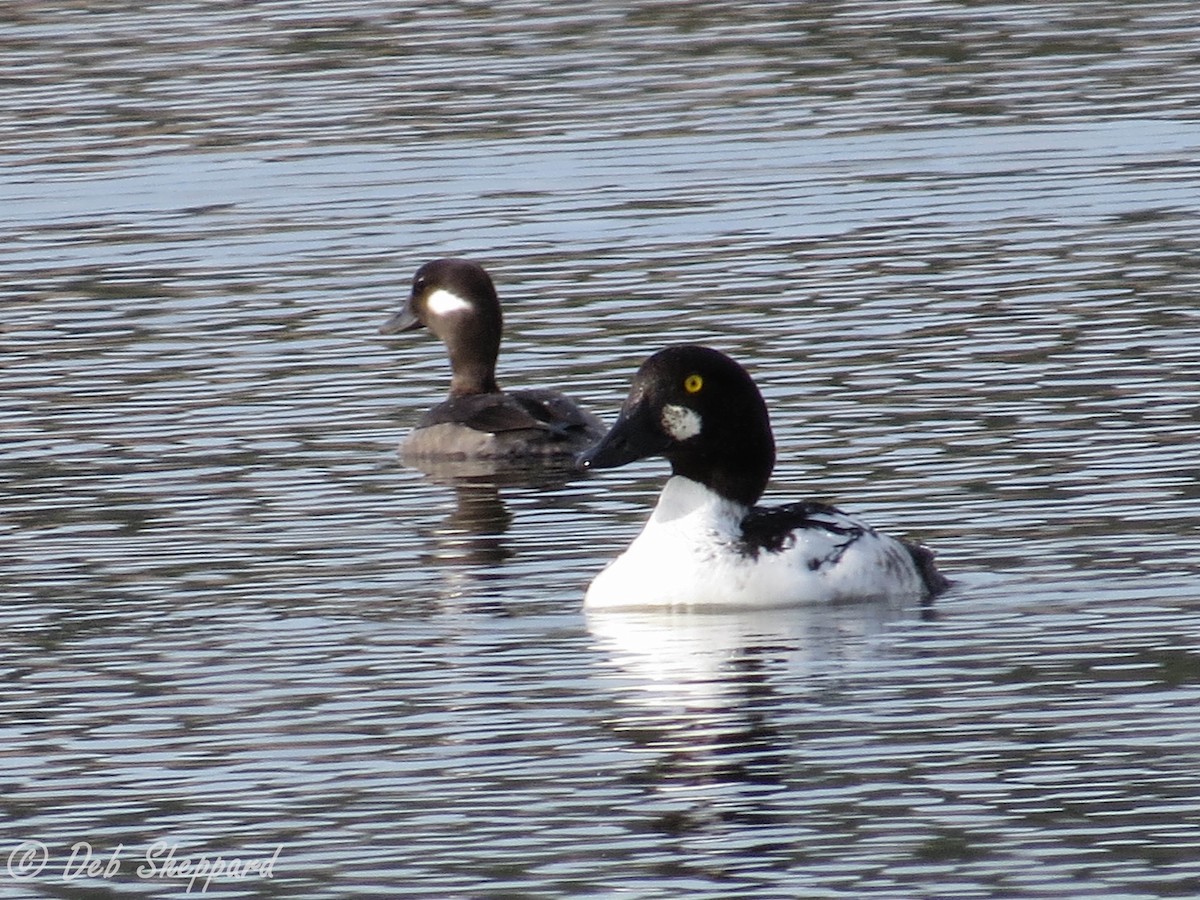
{"points": [[955, 243]]}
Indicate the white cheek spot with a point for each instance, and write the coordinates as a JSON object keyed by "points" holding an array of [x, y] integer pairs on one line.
{"points": [[443, 302], [680, 422]]}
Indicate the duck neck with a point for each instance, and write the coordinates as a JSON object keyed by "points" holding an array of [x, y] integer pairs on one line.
{"points": [[737, 469], [472, 378], [683, 499], [473, 355]]}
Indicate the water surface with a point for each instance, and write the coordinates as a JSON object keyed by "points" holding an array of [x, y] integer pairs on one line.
{"points": [[954, 243]]}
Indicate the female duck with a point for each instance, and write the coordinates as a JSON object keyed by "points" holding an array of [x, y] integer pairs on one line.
{"points": [[456, 300], [706, 543]]}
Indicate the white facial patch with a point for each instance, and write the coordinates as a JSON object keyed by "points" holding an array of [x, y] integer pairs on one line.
{"points": [[443, 302], [680, 422]]}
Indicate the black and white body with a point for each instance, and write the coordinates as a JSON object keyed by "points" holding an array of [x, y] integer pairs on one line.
{"points": [[706, 543], [456, 300]]}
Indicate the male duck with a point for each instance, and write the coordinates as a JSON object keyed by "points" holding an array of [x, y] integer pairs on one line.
{"points": [[706, 543]]}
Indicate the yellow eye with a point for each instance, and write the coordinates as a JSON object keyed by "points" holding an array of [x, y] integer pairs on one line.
{"points": [[693, 383]]}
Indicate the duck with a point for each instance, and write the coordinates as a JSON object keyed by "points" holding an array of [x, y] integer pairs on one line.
{"points": [[707, 542], [456, 299]]}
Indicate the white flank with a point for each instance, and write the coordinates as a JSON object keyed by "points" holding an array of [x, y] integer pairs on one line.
{"points": [[689, 554]]}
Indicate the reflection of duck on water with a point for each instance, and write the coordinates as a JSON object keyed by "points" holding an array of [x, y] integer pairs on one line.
{"points": [[678, 659], [696, 695], [474, 533]]}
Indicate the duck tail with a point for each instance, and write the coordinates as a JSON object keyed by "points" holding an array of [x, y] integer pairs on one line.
{"points": [[935, 581]]}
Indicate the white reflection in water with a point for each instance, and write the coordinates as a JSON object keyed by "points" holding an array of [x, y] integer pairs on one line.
{"points": [[708, 660], [702, 696]]}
